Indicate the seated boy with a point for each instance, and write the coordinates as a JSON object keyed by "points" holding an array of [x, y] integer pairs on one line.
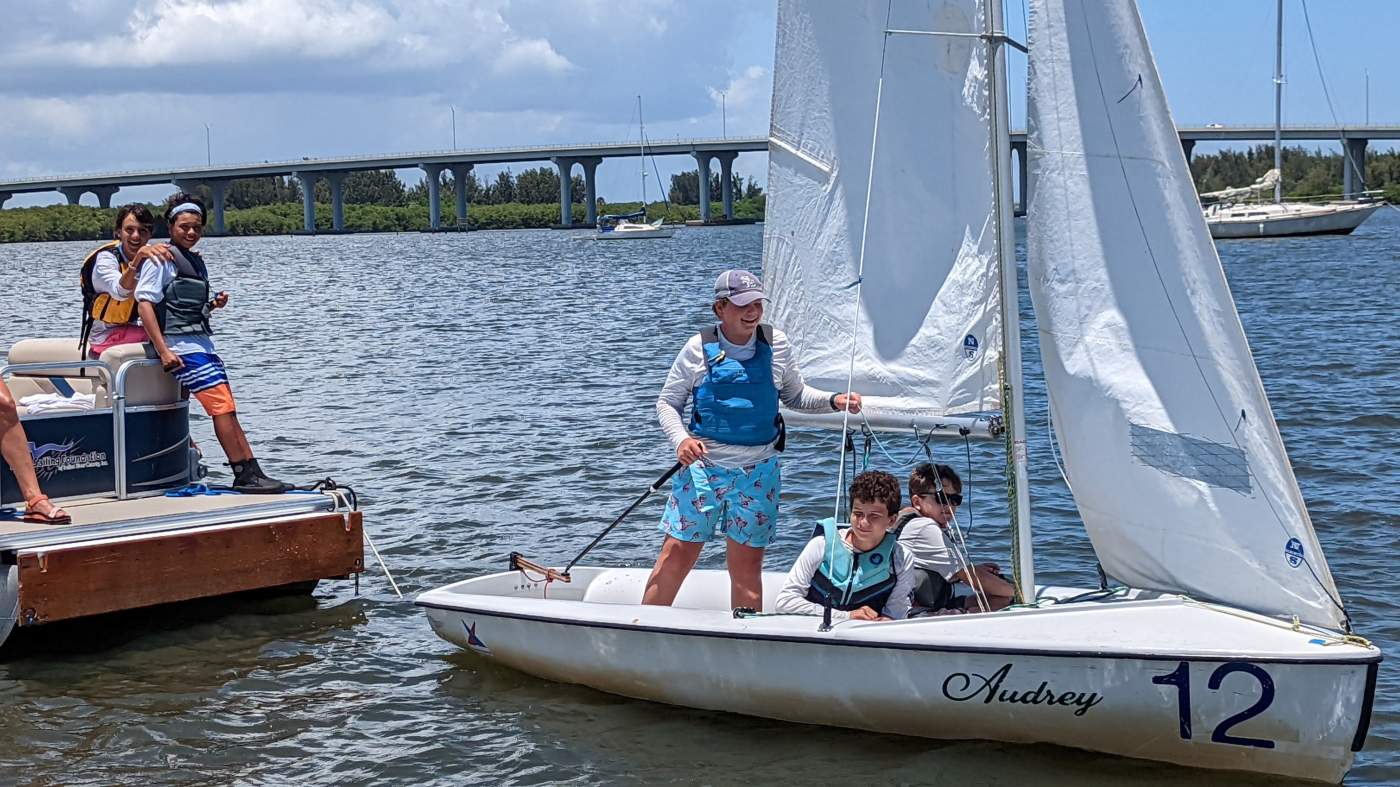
{"points": [[934, 492], [860, 571]]}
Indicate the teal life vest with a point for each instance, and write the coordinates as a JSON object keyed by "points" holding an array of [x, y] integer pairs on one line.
{"points": [[848, 580], [737, 401], [184, 306]]}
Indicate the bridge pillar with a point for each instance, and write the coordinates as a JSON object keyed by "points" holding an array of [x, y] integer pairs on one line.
{"points": [[1354, 167], [566, 191], [218, 193], [337, 184], [73, 193], [434, 180], [4, 197], [104, 195], [702, 174], [460, 173], [1188, 145], [1019, 148], [726, 180], [590, 189], [308, 200]]}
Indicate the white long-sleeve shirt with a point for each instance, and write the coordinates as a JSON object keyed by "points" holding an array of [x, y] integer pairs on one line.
{"points": [[689, 370], [792, 599], [107, 279]]}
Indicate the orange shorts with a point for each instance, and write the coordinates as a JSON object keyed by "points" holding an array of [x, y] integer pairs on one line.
{"points": [[217, 400]]}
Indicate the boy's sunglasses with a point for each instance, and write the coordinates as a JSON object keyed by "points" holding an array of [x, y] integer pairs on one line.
{"points": [[945, 498]]}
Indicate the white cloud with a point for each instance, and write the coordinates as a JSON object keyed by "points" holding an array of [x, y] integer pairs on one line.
{"points": [[44, 118], [532, 54], [751, 85]]}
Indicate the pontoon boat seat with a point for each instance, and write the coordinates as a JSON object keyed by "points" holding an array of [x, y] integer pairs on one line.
{"points": [[145, 385]]}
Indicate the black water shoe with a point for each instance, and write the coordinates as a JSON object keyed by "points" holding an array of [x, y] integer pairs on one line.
{"points": [[249, 479]]}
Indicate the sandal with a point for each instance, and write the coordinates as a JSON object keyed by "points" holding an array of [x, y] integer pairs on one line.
{"points": [[54, 515]]}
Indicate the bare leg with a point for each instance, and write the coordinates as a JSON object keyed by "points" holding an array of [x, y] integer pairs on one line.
{"points": [[676, 560], [15, 446], [745, 576], [232, 438]]}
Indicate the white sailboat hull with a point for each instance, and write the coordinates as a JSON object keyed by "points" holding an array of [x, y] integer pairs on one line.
{"points": [[629, 231], [1274, 221], [1104, 675]]}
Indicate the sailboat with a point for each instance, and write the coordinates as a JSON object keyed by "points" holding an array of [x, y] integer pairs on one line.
{"points": [[634, 226], [1239, 213], [1222, 641]]}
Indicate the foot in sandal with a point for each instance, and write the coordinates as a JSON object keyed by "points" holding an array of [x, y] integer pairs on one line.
{"points": [[41, 510]]}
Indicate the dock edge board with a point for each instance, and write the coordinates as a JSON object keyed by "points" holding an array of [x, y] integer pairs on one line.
{"points": [[64, 582]]}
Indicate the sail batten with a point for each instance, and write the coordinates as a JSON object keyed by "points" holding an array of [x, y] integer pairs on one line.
{"points": [[927, 337], [1170, 446]]}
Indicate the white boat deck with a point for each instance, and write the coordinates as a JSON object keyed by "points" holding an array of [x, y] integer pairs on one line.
{"points": [[1130, 625], [105, 517]]}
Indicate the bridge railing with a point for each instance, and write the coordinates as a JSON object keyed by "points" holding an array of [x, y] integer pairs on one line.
{"points": [[434, 154]]}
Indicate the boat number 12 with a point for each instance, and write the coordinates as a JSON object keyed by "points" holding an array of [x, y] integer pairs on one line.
{"points": [[1181, 679]]}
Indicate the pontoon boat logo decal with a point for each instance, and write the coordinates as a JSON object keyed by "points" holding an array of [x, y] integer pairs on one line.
{"points": [[1293, 551], [473, 641], [965, 687], [50, 459], [969, 347]]}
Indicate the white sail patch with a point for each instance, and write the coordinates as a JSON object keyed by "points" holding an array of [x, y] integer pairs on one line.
{"points": [[1196, 458]]}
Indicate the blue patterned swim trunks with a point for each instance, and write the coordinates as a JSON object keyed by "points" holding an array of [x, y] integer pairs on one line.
{"points": [[741, 503]]}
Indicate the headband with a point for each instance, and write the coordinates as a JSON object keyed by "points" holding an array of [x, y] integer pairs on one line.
{"points": [[185, 207]]}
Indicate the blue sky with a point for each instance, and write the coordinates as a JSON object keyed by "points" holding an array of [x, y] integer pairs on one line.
{"points": [[100, 85]]}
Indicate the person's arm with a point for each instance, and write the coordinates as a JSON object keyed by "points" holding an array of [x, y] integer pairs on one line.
{"points": [[796, 393], [109, 279], [792, 599], [670, 404], [149, 291], [897, 608]]}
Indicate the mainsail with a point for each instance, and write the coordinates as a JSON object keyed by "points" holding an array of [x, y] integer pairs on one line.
{"points": [[927, 341], [1170, 446]]}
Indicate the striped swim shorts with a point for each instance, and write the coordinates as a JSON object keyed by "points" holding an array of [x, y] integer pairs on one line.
{"points": [[203, 375]]}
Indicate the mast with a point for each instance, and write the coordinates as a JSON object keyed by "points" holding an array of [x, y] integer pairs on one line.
{"points": [[1018, 491], [1278, 106], [642, 138]]}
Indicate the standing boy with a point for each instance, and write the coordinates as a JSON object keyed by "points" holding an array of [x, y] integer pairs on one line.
{"points": [[732, 375]]}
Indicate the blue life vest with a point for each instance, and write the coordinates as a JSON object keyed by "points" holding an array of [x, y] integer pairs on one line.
{"points": [[848, 580], [737, 402]]}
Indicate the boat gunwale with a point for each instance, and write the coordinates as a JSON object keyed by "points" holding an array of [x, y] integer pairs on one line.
{"points": [[1371, 658]]}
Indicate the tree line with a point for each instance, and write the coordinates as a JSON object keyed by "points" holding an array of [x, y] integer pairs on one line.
{"points": [[1306, 173]]}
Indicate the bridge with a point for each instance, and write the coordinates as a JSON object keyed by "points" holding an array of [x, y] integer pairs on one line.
{"points": [[308, 171]]}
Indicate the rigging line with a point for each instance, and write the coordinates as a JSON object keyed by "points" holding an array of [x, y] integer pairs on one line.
{"points": [[1161, 280], [1317, 60], [860, 269]]}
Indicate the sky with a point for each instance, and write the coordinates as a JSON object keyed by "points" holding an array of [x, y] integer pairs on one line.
{"points": [[104, 85]]}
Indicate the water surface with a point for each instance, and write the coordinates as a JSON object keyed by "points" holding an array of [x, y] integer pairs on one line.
{"points": [[492, 392]]}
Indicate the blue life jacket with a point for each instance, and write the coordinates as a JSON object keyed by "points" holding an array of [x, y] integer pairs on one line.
{"points": [[848, 580], [737, 401]]}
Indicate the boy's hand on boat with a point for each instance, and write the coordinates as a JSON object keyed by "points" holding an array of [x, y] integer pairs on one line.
{"points": [[690, 450], [170, 362], [865, 613], [849, 401]]}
